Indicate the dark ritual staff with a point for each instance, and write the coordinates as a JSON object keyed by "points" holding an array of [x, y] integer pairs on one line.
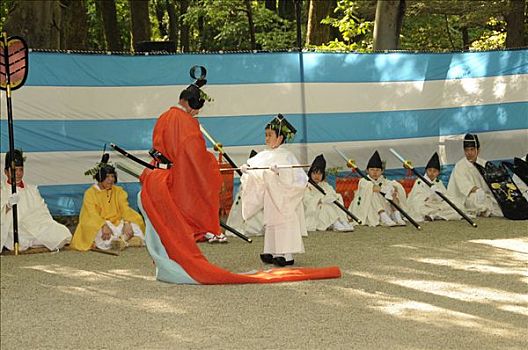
{"points": [[407, 165], [320, 162], [13, 74], [351, 164], [162, 163]]}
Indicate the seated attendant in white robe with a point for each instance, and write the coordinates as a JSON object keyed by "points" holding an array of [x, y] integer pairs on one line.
{"points": [[466, 185], [278, 192], [253, 226], [369, 205], [424, 203], [319, 209], [36, 227]]}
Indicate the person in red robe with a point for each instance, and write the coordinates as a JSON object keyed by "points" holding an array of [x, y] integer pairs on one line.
{"points": [[178, 138], [181, 202]]}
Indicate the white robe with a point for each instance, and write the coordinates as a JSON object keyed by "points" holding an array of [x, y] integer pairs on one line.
{"points": [[253, 226], [367, 204], [36, 227], [520, 185], [319, 210], [423, 201], [117, 233], [280, 197], [463, 178]]}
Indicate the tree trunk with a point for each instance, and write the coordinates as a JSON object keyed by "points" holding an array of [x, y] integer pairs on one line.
{"points": [[287, 9], [202, 44], [160, 8], [251, 25], [173, 22], [335, 33], [38, 22], [74, 33], [139, 14], [184, 28], [465, 38], [317, 33], [515, 24], [271, 5], [111, 30], [388, 23], [98, 36]]}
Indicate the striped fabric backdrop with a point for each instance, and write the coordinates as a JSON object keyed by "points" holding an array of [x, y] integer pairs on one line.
{"points": [[417, 103]]}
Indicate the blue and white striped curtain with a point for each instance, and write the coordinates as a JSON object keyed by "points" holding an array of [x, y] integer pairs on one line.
{"points": [[417, 103]]}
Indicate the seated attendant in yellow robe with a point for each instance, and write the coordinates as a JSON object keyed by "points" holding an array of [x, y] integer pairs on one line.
{"points": [[106, 219]]}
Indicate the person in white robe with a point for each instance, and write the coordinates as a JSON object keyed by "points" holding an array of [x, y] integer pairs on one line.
{"points": [[370, 206], [319, 209], [467, 187], [278, 192], [36, 227], [423, 201], [252, 226]]}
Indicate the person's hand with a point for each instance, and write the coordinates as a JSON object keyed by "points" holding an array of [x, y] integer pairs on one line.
{"points": [[376, 188], [107, 232], [128, 232], [13, 199], [244, 168], [275, 168]]}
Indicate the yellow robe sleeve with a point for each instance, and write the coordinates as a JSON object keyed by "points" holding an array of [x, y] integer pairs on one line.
{"points": [[128, 214], [90, 221]]}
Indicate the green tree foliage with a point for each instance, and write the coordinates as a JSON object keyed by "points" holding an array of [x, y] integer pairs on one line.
{"points": [[5, 7], [432, 25], [452, 25], [96, 39], [227, 26], [356, 31], [492, 37], [428, 25]]}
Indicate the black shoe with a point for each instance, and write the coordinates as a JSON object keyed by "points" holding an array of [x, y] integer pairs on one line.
{"points": [[266, 258], [281, 261]]}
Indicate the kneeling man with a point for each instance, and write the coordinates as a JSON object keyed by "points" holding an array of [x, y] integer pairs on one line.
{"points": [[467, 187], [36, 227], [106, 219]]}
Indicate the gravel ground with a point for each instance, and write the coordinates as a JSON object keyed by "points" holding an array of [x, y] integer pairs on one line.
{"points": [[449, 286]]}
